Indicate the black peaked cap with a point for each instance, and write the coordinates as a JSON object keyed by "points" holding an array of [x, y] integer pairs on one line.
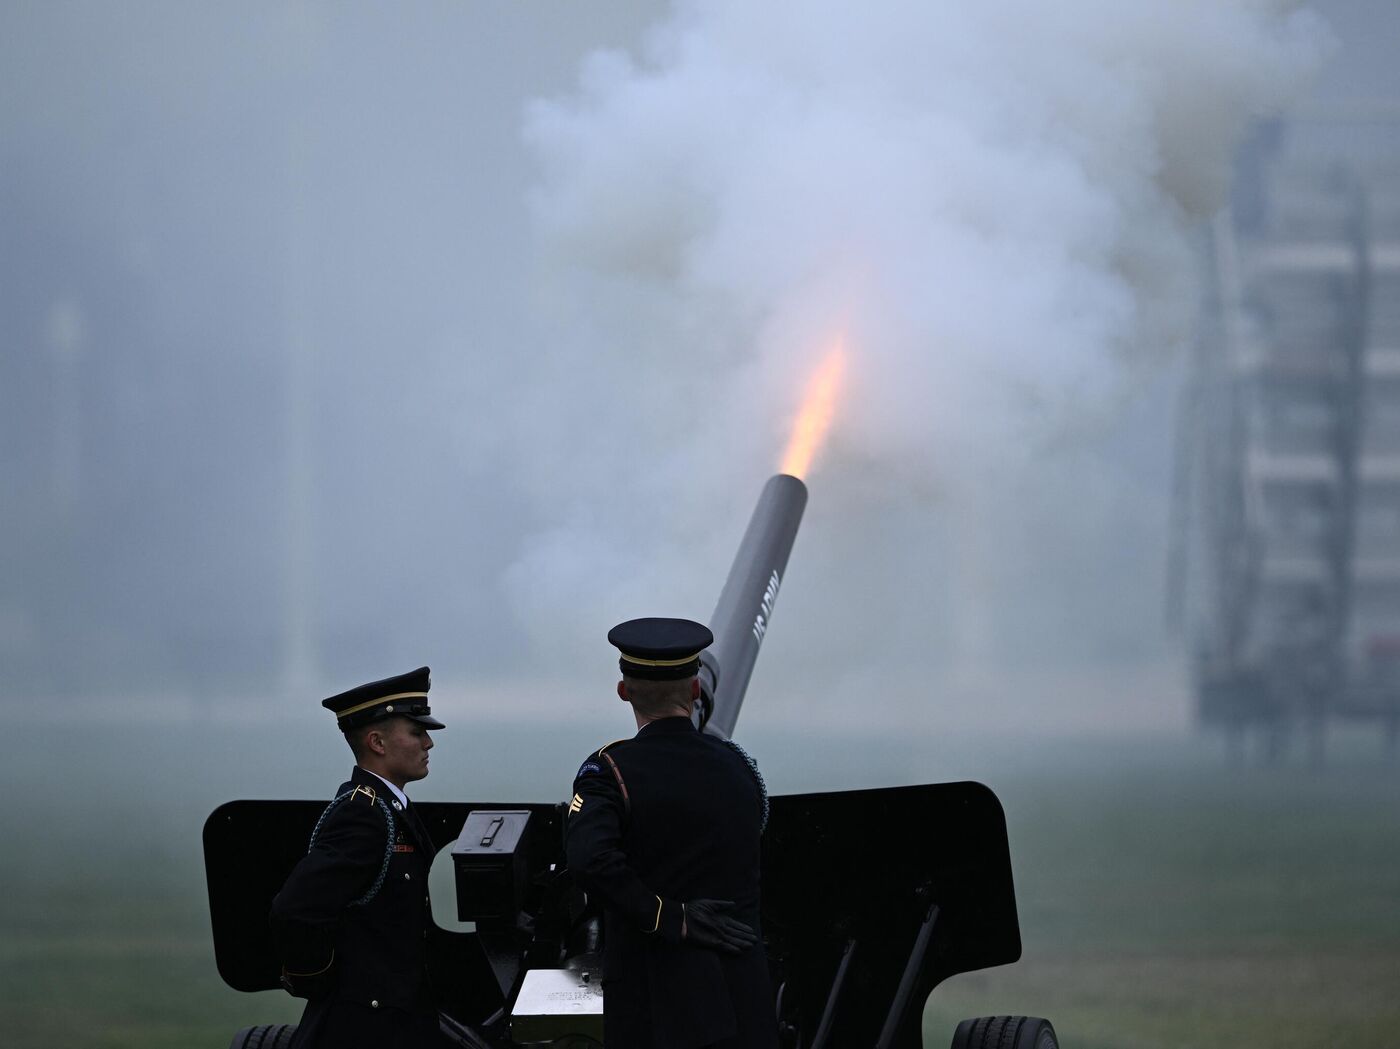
{"points": [[405, 695], [660, 649]]}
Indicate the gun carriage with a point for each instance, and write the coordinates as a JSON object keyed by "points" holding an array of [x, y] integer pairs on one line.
{"points": [[871, 898]]}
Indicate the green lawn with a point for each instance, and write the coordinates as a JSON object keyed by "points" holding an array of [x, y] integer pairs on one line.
{"points": [[1186, 905], [1164, 903]]}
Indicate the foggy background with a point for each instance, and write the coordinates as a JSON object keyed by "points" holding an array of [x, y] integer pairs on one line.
{"points": [[343, 338], [340, 340]]}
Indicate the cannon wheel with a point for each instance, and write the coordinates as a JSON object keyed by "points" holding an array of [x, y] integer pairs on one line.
{"points": [[1005, 1032], [264, 1036]]}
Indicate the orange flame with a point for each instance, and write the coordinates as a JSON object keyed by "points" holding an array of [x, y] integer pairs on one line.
{"points": [[814, 419]]}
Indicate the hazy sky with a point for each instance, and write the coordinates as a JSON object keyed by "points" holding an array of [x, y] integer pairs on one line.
{"points": [[340, 339]]}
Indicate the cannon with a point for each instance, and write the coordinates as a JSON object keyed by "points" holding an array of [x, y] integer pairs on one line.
{"points": [[871, 898]]}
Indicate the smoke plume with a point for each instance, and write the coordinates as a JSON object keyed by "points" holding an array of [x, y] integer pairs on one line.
{"points": [[993, 203]]}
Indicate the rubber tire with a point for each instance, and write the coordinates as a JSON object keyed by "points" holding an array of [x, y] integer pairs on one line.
{"points": [[1005, 1032], [264, 1036]]}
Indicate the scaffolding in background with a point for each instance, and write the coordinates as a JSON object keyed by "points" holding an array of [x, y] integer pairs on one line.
{"points": [[1288, 481]]}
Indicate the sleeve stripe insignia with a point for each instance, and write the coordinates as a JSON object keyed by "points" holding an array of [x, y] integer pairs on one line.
{"points": [[575, 805]]}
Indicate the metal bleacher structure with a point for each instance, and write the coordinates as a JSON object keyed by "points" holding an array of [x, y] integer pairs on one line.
{"points": [[1289, 451]]}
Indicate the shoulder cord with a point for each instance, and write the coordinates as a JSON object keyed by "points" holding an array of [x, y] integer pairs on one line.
{"points": [[388, 845], [621, 784], [757, 777], [753, 769]]}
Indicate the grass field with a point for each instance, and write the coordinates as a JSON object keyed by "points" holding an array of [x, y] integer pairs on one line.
{"points": [[1182, 905], [1165, 901]]}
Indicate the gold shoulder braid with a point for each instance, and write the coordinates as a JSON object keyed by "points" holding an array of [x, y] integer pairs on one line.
{"points": [[621, 783]]}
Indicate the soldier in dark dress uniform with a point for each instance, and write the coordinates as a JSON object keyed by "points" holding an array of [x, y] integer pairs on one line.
{"points": [[352, 919], [664, 829]]}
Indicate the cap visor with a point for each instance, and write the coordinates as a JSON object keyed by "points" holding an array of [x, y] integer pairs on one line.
{"points": [[425, 719]]}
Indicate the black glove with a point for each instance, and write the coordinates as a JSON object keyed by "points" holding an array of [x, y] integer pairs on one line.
{"points": [[708, 924]]}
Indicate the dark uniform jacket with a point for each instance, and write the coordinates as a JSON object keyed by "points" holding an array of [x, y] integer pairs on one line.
{"points": [[678, 820], [362, 967]]}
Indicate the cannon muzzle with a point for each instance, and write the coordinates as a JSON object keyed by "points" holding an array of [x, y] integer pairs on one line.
{"points": [[745, 606]]}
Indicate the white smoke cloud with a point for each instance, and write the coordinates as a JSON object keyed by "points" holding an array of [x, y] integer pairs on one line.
{"points": [[994, 202]]}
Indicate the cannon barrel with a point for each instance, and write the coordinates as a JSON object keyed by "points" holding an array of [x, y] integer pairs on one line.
{"points": [[745, 605], [935, 901]]}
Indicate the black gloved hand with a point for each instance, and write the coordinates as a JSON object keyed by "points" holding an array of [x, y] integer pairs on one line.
{"points": [[708, 924]]}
